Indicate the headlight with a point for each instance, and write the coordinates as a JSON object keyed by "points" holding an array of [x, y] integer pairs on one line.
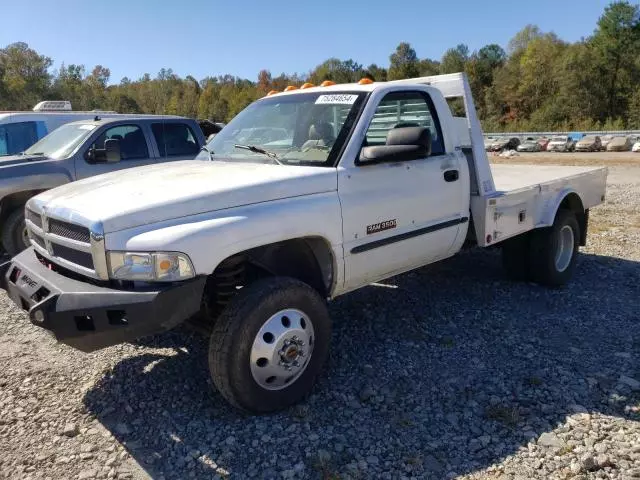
{"points": [[149, 267]]}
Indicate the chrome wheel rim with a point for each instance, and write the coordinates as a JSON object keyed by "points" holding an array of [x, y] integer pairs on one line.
{"points": [[564, 252], [282, 349]]}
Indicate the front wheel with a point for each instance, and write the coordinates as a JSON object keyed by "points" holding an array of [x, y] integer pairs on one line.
{"points": [[14, 233], [269, 345]]}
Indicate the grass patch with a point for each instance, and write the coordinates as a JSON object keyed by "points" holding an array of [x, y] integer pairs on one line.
{"points": [[406, 422], [565, 449], [415, 459], [508, 416], [447, 342], [533, 381]]}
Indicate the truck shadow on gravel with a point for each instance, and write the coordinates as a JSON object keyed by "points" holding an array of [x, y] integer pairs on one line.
{"points": [[450, 368]]}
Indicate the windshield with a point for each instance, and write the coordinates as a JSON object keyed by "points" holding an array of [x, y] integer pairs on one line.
{"points": [[62, 141], [300, 129], [559, 139]]}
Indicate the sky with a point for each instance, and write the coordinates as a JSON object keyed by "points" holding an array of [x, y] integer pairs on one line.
{"points": [[240, 37]]}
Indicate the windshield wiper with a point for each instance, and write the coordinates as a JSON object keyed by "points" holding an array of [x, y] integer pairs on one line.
{"points": [[33, 153], [206, 149], [254, 149]]}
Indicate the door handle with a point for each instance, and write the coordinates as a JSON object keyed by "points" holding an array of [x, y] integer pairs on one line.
{"points": [[451, 175]]}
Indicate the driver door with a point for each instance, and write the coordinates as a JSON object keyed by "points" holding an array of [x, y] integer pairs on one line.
{"points": [[401, 214], [134, 151]]}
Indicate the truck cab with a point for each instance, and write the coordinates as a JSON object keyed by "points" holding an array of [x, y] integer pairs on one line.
{"points": [[305, 195]]}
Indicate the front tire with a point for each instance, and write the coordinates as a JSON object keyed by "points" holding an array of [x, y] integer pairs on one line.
{"points": [[269, 345], [14, 233], [553, 251]]}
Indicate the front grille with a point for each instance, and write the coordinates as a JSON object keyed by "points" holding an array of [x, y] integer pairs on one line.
{"points": [[34, 218], [69, 230], [39, 240], [74, 256]]}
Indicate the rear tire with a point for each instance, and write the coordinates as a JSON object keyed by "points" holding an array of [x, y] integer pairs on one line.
{"points": [[553, 250], [269, 345], [14, 237], [515, 257]]}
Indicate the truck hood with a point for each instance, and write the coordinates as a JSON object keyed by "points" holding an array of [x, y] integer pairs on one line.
{"points": [[10, 160], [137, 196]]}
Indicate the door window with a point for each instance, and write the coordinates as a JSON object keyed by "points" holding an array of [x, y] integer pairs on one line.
{"points": [[405, 109], [175, 139], [133, 145]]}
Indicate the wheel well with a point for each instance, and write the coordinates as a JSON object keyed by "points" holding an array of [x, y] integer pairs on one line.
{"points": [[307, 259], [16, 200], [573, 203]]}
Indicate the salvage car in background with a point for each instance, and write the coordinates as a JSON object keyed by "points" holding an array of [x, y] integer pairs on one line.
{"points": [[619, 144], [605, 141], [488, 142], [543, 142], [530, 144], [561, 143], [590, 143], [83, 149], [636, 147], [504, 143]]}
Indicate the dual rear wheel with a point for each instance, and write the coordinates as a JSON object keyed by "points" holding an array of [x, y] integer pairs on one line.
{"points": [[546, 255]]}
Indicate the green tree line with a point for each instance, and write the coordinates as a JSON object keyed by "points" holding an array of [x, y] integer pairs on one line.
{"points": [[538, 82]]}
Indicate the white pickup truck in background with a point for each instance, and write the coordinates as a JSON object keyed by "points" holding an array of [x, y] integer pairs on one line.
{"points": [[341, 186]]}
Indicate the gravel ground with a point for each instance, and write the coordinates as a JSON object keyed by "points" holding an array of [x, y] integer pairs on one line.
{"points": [[446, 372]]}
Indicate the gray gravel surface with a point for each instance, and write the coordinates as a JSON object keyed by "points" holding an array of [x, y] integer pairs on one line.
{"points": [[447, 372]]}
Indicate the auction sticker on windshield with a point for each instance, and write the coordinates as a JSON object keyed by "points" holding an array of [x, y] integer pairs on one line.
{"points": [[337, 99]]}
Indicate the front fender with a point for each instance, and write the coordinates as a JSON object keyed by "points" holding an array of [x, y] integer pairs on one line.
{"points": [[33, 176], [211, 237]]}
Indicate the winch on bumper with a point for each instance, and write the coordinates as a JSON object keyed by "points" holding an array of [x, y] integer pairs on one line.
{"points": [[88, 316]]}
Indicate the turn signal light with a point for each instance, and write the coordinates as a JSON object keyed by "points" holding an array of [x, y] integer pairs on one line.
{"points": [[327, 83], [289, 88], [307, 85], [365, 81]]}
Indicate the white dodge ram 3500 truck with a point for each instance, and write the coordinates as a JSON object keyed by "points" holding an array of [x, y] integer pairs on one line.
{"points": [[310, 193]]}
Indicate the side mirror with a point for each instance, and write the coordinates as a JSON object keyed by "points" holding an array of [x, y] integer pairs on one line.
{"points": [[403, 144], [112, 150]]}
